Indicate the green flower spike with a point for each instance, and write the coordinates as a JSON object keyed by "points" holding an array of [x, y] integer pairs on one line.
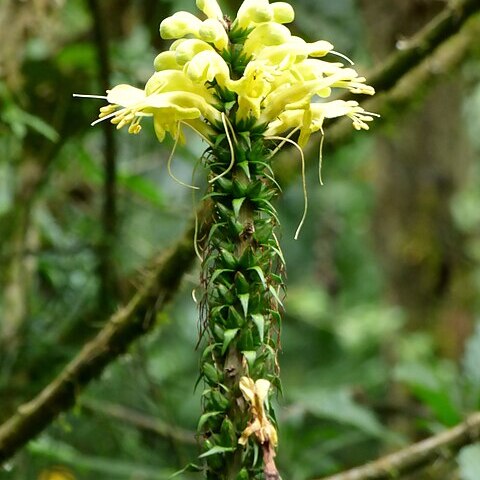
{"points": [[246, 86]]}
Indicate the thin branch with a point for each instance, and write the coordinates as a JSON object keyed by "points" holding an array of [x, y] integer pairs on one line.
{"points": [[140, 420], [410, 53], [417, 455], [129, 323], [136, 318]]}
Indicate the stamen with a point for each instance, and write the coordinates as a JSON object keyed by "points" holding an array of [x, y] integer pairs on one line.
{"points": [[169, 163], [135, 127], [114, 114], [108, 108], [341, 55], [232, 150], [200, 134], [196, 222], [320, 156], [285, 139], [81, 95], [194, 296], [304, 182], [272, 179]]}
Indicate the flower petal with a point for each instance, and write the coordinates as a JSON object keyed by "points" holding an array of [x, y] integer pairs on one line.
{"points": [[210, 8]]}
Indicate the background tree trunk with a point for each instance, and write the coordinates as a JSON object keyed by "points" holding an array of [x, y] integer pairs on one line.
{"points": [[419, 169]]}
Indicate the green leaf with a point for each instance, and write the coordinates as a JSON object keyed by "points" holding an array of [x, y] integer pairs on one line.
{"points": [[211, 374], [228, 258], [469, 462], [229, 105], [251, 356], [275, 295], [280, 255], [219, 139], [256, 450], [338, 404], [208, 350], [217, 449], [204, 418], [218, 272], [246, 137], [259, 321], [191, 467], [260, 274], [244, 298], [18, 119], [228, 336], [235, 316], [213, 195], [245, 168], [434, 388], [237, 205]]}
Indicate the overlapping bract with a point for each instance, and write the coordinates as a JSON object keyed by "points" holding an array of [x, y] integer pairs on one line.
{"points": [[269, 76]]}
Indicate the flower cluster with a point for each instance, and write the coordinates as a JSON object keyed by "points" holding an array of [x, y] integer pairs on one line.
{"points": [[252, 69]]}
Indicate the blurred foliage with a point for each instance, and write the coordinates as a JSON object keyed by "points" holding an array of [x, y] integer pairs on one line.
{"points": [[357, 382]]}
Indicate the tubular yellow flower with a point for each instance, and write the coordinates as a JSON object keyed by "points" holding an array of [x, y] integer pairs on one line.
{"points": [[252, 12], [265, 35], [213, 31], [310, 119], [174, 80], [166, 61], [187, 49], [210, 8], [206, 67], [282, 12], [278, 79], [179, 25], [252, 88]]}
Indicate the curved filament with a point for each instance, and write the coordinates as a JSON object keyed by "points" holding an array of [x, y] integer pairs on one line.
{"points": [[226, 125], [169, 163], [304, 182]]}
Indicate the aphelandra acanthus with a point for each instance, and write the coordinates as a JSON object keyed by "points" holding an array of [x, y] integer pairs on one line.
{"points": [[246, 86]]}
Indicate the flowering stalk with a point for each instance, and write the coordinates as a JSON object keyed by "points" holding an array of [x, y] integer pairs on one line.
{"points": [[242, 267], [240, 85]]}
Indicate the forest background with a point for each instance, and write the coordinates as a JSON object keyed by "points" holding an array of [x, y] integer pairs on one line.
{"points": [[380, 340]]}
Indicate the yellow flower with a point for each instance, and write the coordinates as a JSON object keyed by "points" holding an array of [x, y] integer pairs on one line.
{"points": [[179, 25], [256, 393], [253, 12], [213, 31], [166, 61], [282, 12], [310, 120], [284, 82], [210, 8], [168, 108], [56, 473], [185, 50], [206, 67], [265, 35]]}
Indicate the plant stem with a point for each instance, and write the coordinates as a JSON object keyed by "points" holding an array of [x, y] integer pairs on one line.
{"points": [[242, 269]]}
